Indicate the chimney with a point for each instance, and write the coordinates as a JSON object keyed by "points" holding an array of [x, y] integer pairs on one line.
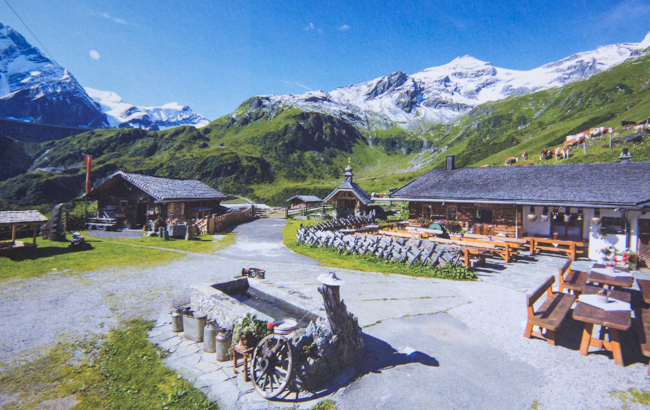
{"points": [[625, 156], [450, 162]]}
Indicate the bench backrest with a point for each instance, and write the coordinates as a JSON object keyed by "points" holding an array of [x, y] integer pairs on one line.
{"points": [[546, 287], [564, 269]]}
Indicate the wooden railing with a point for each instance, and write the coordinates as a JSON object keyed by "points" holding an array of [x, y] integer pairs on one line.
{"points": [[308, 209]]}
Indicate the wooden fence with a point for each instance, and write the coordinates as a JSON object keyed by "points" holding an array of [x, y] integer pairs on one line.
{"points": [[309, 209]]}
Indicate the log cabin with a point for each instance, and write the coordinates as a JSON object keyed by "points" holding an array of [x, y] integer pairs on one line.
{"points": [[134, 199], [598, 204]]}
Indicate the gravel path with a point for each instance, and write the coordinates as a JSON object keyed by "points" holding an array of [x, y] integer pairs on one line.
{"points": [[431, 343]]}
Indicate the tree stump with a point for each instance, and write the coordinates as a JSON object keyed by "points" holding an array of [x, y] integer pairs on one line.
{"points": [[346, 332]]}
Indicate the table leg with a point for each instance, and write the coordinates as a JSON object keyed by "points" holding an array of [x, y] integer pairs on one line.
{"points": [[615, 343], [586, 339]]}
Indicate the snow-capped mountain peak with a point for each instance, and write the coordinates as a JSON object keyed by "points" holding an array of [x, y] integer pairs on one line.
{"points": [[443, 93], [35, 88], [123, 114]]}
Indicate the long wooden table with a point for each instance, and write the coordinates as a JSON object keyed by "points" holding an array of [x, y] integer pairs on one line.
{"points": [[610, 321]]}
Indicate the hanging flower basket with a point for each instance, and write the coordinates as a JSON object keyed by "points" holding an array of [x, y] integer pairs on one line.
{"points": [[544, 218], [567, 218], [532, 217], [596, 220]]}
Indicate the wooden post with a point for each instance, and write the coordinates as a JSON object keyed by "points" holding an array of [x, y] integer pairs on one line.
{"points": [[13, 235], [34, 239]]}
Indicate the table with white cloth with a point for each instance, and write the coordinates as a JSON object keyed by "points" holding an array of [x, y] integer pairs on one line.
{"points": [[617, 278], [611, 316]]}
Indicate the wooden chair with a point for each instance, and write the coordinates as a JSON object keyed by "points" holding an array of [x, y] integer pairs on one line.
{"points": [[573, 280], [643, 331], [550, 314]]}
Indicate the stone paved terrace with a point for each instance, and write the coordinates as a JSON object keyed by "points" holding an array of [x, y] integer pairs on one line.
{"points": [[433, 343]]}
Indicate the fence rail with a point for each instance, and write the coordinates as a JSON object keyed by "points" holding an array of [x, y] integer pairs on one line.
{"points": [[308, 209]]}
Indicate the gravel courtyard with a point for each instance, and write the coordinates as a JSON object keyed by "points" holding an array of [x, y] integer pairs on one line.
{"points": [[430, 343]]}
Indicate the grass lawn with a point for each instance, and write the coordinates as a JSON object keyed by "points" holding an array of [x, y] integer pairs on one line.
{"points": [[52, 256], [120, 371], [331, 258]]}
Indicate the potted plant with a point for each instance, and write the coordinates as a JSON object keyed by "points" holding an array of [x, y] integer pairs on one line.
{"points": [[603, 295], [251, 330]]}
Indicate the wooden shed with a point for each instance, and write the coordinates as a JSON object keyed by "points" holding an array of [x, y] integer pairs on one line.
{"points": [[303, 201], [15, 219], [135, 199]]}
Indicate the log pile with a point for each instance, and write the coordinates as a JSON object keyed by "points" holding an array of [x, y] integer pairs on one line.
{"points": [[414, 252], [219, 223]]}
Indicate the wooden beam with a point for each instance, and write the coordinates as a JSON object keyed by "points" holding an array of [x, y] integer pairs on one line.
{"points": [[34, 239], [13, 235]]}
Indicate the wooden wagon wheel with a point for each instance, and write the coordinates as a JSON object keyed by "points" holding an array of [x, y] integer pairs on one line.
{"points": [[272, 366]]}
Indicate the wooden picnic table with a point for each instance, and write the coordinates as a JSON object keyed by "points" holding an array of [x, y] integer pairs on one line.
{"points": [[644, 285], [570, 248], [518, 241], [610, 321], [614, 281]]}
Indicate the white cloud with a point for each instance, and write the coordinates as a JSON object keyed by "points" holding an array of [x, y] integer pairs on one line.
{"points": [[94, 54], [296, 84], [309, 27], [116, 20], [344, 27]]}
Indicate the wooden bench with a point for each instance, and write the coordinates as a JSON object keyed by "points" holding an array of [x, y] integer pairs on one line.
{"points": [[570, 248], [505, 250], [474, 256], [550, 314], [573, 280], [642, 318]]}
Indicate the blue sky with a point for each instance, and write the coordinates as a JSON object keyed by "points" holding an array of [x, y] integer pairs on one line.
{"points": [[212, 55]]}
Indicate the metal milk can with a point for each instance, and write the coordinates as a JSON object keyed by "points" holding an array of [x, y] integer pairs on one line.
{"points": [[177, 321], [223, 341], [209, 333]]}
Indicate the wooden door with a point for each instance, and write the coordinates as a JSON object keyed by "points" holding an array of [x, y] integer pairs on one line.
{"points": [[644, 242]]}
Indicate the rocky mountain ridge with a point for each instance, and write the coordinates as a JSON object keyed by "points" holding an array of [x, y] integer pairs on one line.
{"points": [[35, 89], [442, 94]]}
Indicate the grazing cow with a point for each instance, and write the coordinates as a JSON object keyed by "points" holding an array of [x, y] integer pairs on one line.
{"points": [[561, 151], [511, 160], [545, 154], [575, 141], [524, 156], [557, 152]]}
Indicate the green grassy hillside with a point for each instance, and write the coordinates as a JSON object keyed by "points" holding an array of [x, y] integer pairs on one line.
{"points": [[270, 156]]}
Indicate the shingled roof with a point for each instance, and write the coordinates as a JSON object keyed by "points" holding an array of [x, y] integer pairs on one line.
{"points": [[21, 217], [306, 198], [168, 189], [355, 189], [611, 184]]}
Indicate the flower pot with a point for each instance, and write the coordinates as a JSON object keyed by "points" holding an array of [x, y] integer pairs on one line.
{"points": [[544, 218], [193, 324], [248, 340], [603, 298], [596, 220], [532, 217], [567, 218]]}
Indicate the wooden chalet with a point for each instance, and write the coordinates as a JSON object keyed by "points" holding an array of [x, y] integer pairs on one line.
{"points": [[303, 201], [571, 201], [349, 198], [139, 198], [15, 219]]}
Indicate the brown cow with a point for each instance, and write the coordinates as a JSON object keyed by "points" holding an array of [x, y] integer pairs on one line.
{"points": [[575, 141], [561, 151], [524, 156], [511, 160], [545, 154]]}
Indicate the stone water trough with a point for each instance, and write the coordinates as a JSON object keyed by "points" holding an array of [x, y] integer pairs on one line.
{"points": [[228, 302], [326, 339]]}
